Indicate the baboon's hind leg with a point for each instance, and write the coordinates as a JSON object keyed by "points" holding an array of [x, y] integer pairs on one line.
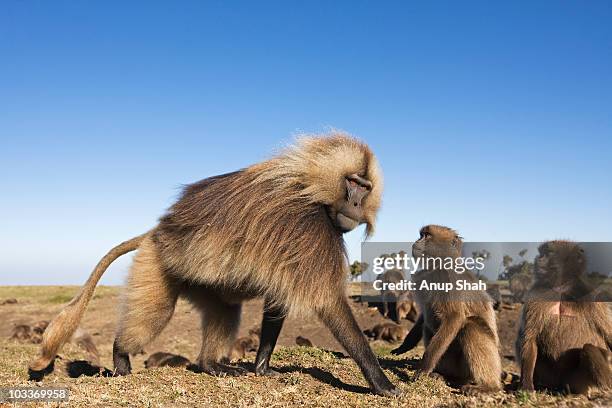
{"points": [[482, 357], [593, 370], [148, 305], [220, 323]]}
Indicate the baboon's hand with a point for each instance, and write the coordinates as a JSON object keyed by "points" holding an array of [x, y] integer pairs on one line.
{"points": [[391, 391], [421, 374], [400, 350]]}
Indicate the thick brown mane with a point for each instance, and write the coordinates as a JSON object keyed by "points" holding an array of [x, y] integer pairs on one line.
{"points": [[223, 222]]}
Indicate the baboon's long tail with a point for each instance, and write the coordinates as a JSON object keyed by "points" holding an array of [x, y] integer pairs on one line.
{"points": [[61, 329]]}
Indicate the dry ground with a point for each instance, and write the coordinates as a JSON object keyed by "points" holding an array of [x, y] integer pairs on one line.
{"points": [[309, 376]]}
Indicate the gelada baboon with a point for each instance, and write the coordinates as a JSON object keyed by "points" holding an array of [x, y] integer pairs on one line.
{"points": [[390, 332], [406, 307], [303, 342], [563, 343], [244, 345], [390, 298], [459, 329], [272, 230], [163, 359]]}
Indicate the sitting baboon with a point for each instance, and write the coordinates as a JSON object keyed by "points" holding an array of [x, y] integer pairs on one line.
{"points": [[390, 298], [406, 308], [162, 359], [459, 328], [390, 332], [303, 341], [564, 341]]}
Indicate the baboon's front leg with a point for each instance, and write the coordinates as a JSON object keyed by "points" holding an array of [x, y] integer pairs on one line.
{"points": [[529, 354], [121, 360], [412, 339], [271, 326], [439, 343], [338, 317]]}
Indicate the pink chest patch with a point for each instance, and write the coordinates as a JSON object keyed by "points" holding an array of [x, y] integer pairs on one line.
{"points": [[561, 310]]}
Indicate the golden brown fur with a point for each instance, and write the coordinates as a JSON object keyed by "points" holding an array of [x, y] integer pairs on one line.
{"points": [[63, 326], [564, 342], [459, 330], [274, 230]]}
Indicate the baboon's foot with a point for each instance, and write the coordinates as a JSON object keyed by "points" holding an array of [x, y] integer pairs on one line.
{"points": [[267, 372], [121, 361], [428, 374], [475, 389], [222, 370], [121, 370]]}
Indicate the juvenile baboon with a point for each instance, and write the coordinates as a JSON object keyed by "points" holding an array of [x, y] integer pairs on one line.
{"points": [[563, 342], [459, 329], [272, 230], [303, 341], [162, 359], [390, 332]]}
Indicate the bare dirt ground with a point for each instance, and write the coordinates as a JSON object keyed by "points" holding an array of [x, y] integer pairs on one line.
{"points": [[309, 376]]}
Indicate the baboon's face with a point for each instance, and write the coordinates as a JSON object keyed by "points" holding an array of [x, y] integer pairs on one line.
{"points": [[559, 262], [347, 213], [437, 241]]}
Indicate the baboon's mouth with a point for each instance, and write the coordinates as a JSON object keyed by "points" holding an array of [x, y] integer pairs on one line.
{"points": [[345, 223]]}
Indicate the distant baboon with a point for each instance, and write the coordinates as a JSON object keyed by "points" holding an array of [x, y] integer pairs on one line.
{"points": [[519, 285], [458, 328], [161, 359], [272, 230], [496, 296], [564, 341], [22, 332], [390, 332], [84, 340], [34, 334], [10, 301], [406, 307], [244, 345], [303, 341], [390, 297], [40, 326], [38, 329]]}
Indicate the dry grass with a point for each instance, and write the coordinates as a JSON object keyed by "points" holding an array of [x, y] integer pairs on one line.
{"points": [[309, 376]]}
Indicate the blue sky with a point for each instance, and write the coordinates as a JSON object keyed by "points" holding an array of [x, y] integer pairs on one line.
{"points": [[491, 117]]}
